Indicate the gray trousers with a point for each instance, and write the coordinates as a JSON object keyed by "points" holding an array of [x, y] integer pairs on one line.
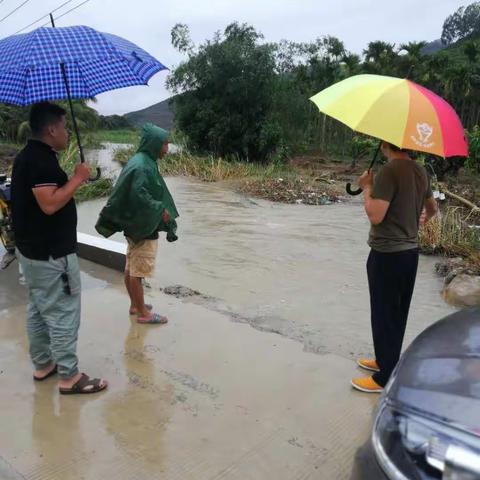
{"points": [[53, 317]]}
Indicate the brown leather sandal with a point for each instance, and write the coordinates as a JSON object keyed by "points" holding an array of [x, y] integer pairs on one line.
{"points": [[84, 386]]}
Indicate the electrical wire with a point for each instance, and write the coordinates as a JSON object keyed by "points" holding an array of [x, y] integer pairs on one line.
{"points": [[41, 18], [67, 12], [13, 11]]}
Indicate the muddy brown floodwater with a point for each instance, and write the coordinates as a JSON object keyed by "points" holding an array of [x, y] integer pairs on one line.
{"points": [[292, 269]]}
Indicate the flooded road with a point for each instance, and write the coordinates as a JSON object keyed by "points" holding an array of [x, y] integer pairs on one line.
{"points": [[292, 269]]}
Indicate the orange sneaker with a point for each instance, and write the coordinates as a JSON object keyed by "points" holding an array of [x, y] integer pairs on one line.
{"points": [[367, 364], [366, 384]]}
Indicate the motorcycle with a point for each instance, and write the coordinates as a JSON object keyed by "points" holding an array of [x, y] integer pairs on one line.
{"points": [[6, 228]]}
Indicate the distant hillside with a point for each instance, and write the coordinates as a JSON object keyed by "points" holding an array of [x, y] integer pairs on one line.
{"points": [[160, 114]]}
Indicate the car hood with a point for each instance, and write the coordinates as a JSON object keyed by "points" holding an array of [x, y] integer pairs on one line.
{"points": [[439, 374]]}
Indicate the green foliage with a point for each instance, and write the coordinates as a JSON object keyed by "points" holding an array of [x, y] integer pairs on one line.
{"points": [[14, 121], [127, 136], [362, 147], [244, 99], [473, 161], [123, 155], [10, 120], [115, 122], [227, 101]]}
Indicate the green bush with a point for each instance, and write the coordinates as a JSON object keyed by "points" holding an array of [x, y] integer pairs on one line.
{"points": [[473, 161]]}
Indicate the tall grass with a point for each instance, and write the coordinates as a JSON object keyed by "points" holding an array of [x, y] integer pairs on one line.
{"points": [[449, 234], [116, 136], [206, 168], [212, 169], [91, 190]]}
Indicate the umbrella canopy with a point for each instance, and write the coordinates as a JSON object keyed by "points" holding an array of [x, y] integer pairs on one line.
{"points": [[94, 62], [397, 111]]}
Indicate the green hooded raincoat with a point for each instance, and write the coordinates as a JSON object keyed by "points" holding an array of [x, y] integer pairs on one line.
{"points": [[140, 195]]}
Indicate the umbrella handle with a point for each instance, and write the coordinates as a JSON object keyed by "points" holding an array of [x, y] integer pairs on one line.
{"points": [[349, 190], [98, 174], [348, 187]]}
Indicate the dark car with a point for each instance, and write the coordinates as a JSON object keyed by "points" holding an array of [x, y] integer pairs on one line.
{"points": [[427, 425]]}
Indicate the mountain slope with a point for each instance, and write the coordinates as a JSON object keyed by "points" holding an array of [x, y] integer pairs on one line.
{"points": [[160, 114]]}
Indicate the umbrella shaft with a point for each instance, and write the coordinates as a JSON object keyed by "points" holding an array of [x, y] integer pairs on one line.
{"points": [[74, 120], [374, 159], [69, 96]]}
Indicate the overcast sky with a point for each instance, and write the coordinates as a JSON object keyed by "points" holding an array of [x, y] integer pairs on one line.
{"points": [[148, 24]]}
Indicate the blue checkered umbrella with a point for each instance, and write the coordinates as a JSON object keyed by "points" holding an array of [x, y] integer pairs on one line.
{"points": [[94, 62], [69, 62]]}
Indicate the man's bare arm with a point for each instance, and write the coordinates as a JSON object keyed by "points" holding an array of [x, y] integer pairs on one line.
{"points": [[51, 198]]}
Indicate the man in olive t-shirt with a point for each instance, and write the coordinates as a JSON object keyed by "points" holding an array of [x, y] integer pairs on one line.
{"points": [[394, 203]]}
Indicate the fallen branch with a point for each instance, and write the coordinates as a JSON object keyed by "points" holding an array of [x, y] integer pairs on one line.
{"points": [[460, 199]]}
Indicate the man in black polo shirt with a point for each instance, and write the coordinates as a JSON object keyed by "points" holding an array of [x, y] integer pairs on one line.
{"points": [[45, 224]]}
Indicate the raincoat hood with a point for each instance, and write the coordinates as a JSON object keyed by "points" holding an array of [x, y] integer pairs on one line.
{"points": [[152, 141]]}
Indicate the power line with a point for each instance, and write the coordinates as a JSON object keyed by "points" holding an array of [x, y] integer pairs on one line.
{"points": [[41, 18], [67, 12], [13, 11]]}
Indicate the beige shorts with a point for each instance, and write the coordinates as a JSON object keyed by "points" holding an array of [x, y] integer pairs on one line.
{"points": [[141, 258]]}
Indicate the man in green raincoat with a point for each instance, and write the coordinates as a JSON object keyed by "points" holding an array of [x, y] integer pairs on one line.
{"points": [[141, 205]]}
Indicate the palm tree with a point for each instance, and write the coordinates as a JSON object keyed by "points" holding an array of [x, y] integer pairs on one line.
{"points": [[334, 47], [352, 64], [413, 49], [378, 50], [409, 63], [380, 57], [472, 51]]}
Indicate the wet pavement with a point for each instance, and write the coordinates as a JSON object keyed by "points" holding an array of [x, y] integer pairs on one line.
{"points": [[208, 396]]}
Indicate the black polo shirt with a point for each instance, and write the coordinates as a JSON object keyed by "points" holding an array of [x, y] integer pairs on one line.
{"points": [[39, 236]]}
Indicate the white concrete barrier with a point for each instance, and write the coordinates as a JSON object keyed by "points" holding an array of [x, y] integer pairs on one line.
{"points": [[105, 252]]}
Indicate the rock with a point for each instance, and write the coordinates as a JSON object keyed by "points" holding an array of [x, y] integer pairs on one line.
{"points": [[463, 291], [445, 267], [454, 273], [180, 291]]}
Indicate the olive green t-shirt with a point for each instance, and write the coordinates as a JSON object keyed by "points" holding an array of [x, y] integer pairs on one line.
{"points": [[405, 184]]}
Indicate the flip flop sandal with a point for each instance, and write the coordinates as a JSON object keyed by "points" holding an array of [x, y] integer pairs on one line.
{"points": [[84, 386], [155, 318], [147, 306], [48, 375]]}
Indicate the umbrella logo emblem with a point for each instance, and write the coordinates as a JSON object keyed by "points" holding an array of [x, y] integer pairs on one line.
{"points": [[424, 132]]}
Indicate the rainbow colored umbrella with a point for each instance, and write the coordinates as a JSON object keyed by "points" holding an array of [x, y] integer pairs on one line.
{"points": [[395, 110]]}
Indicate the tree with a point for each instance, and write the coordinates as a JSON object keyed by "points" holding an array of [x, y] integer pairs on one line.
{"points": [[465, 22], [181, 40], [414, 49], [380, 57], [472, 51], [14, 120], [352, 64], [411, 59], [226, 89], [334, 47]]}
